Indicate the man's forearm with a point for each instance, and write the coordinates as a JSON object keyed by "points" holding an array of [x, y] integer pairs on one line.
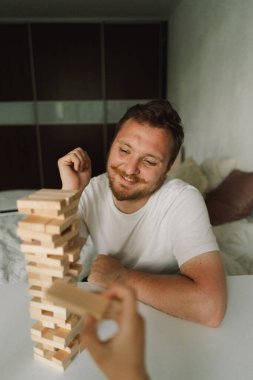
{"points": [[176, 294], [198, 293]]}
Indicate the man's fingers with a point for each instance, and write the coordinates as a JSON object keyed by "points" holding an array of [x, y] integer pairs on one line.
{"points": [[89, 337], [128, 300], [78, 158]]}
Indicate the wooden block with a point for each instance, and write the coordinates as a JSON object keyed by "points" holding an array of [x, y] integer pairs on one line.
{"points": [[76, 300], [65, 237], [54, 271], [40, 203], [62, 213], [75, 269], [37, 329], [45, 281], [68, 195], [65, 336], [25, 211], [37, 291], [49, 202], [62, 356], [50, 325], [36, 247], [49, 260], [46, 224], [74, 346], [47, 316], [48, 341], [34, 223], [58, 358], [39, 349], [45, 305], [47, 360], [68, 211], [72, 248], [35, 235], [36, 279], [57, 226], [73, 255], [58, 338], [46, 239]]}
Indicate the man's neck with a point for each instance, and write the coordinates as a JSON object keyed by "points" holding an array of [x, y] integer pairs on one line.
{"points": [[130, 206]]}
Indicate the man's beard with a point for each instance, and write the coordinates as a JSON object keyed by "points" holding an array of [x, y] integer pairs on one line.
{"points": [[123, 193]]}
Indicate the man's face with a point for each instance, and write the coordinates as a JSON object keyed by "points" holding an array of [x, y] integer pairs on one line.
{"points": [[138, 160]]}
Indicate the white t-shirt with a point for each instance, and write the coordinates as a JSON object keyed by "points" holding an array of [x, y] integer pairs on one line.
{"points": [[171, 228]]}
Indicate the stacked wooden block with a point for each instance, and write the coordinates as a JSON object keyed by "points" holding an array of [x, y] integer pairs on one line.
{"points": [[51, 244]]}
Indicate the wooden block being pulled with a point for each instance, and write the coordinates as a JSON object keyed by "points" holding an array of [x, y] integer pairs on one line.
{"points": [[77, 300]]}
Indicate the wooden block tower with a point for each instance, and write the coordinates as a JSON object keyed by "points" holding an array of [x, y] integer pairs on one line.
{"points": [[51, 244]]}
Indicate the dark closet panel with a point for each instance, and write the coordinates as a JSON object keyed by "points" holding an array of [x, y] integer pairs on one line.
{"points": [[111, 131], [133, 61], [58, 140], [67, 60], [15, 71], [19, 157]]}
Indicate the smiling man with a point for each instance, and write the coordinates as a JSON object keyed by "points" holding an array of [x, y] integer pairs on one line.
{"points": [[150, 232]]}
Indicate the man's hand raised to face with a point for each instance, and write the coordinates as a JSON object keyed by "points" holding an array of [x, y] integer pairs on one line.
{"points": [[75, 170]]}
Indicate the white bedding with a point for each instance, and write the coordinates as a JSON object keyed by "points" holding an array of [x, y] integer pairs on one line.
{"points": [[235, 240], [12, 262]]}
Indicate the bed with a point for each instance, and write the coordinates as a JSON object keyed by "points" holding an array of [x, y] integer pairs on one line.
{"points": [[228, 193]]}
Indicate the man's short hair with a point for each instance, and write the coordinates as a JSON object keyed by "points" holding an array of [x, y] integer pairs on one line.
{"points": [[158, 113]]}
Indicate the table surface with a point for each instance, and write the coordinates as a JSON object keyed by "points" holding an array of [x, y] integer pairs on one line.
{"points": [[175, 349]]}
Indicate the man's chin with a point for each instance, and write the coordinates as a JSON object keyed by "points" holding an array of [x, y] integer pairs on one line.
{"points": [[122, 195]]}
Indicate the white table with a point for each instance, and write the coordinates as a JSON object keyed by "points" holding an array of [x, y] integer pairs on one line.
{"points": [[176, 349]]}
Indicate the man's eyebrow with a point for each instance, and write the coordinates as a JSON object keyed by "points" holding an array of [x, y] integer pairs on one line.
{"points": [[124, 143]]}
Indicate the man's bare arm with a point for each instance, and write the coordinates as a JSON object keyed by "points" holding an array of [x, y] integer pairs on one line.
{"points": [[198, 293]]}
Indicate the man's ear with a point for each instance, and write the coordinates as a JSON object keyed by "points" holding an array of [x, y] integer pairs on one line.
{"points": [[176, 162], [170, 164]]}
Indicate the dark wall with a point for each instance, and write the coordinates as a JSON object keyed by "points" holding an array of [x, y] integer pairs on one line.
{"points": [[44, 64]]}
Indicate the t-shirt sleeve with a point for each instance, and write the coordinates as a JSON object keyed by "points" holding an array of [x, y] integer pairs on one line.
{"points": [[192, 232]]}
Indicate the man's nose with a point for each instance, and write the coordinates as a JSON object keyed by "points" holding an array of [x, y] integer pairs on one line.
{"points": [[132, 166]]}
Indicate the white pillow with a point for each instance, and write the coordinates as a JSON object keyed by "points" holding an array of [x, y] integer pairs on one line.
{"points": [[216, 170], [235, 240], [191, 173]]}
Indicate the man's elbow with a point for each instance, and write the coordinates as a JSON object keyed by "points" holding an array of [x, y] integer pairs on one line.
{"points": [[215, 319], [214, 311]]}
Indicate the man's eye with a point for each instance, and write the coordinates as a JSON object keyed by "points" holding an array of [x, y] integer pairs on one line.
{"points": [[124, 150], [150, 163]]}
